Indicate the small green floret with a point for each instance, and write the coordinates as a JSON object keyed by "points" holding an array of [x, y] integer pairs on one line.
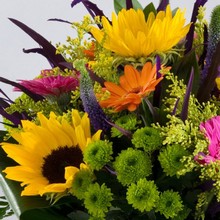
{"points": [[82, 180], [143, 195], [98, 153], [98, 200], [147, 138], [128, 122], [132, 165], [170, 159], [170, 204]]}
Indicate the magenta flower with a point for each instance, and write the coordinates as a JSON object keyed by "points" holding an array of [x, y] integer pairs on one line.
{"points": [[211, 129], [51, 85]]}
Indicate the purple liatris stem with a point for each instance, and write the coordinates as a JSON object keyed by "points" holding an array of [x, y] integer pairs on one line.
{"points": [[90, 104], [157, 92], [129, 4], [190, 35], [162, 6], [213, 39], [184, 112]]}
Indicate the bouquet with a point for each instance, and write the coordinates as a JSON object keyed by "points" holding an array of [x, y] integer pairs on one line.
{"points": [[126, 123]]}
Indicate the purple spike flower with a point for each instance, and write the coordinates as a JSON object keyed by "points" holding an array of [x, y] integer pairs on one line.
{"points": [[90, 104]]}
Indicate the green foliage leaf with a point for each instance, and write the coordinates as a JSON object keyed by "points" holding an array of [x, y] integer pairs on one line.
{"points": [[5, 209], [79, 215], [183, 68], [120, 4], [148, 9]]}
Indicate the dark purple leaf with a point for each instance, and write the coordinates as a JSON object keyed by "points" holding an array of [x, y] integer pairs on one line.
{"points": [[59, 20], [49, 49], [15, 117], [6, 96], [91, 8], [175, 107], [75, 2], [3, 103], [67, 65], [40, 51], [190, 35], [110, 170], [16, 121], [129, 4], [184, 113], [122, 130], [32, 95], [62, 65], [157, 92], [162, 6], [209, 83], [95, 78]]}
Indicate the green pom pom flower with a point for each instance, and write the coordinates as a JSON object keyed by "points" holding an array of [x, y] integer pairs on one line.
{"points": [[82, 180], [143, 195], [128, 122], [147, 138], [97, 154], [98, 200], [170, 159], [170, 204], [132, 165]]}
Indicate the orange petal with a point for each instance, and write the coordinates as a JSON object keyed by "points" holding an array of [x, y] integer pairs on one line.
{"points": [[114, 89]]}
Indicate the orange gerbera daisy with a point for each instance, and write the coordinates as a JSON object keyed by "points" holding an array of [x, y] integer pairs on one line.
{"points": [[134, 86]]}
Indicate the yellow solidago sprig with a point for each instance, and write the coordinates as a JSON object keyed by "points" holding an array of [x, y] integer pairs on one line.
{"points": [[131, 35], [75, 47]]}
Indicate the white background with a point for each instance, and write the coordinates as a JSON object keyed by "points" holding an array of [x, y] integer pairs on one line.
{"points": [[14, 64]]}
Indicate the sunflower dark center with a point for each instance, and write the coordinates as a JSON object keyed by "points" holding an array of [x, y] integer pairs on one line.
{"points": [[54, 164]]}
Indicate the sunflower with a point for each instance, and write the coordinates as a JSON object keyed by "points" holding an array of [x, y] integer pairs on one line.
{"points": [[134, 86], [49, 154], [131, 35]]}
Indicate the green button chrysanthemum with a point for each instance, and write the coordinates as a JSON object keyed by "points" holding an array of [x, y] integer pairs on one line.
{"points": [[98, 200], [132, 165], [143, 195]]}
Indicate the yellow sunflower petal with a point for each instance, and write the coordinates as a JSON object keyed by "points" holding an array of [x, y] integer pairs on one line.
{"points": [[130, 35], [38, 144]]}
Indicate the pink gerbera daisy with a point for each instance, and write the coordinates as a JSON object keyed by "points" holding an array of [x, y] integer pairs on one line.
{"points": [[211, 129], [51, 85]]}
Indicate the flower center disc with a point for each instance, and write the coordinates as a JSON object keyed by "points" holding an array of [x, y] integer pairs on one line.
{"points": [[54, 164]]}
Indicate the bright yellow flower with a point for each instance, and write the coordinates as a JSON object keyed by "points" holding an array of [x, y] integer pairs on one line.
{"points": [[49, 154], [217, 80], [130, 35]]}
